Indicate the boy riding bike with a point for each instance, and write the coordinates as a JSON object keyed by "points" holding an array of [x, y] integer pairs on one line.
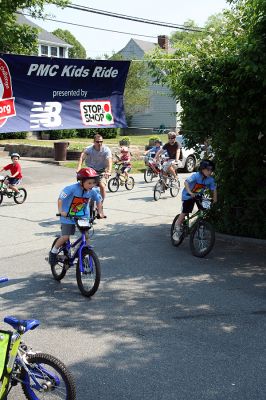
{"points": [[16, 174], [173, 150], [194, 185], [125, 160], [73, 201]]}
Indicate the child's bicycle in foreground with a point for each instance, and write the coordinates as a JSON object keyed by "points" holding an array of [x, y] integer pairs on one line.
{"points": [[40, 375], [88, 269], [120, 180], [5, 191], [164, 183], [202, 234]]}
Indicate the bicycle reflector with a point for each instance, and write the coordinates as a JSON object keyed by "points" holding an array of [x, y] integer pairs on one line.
{"points": [[5, 339]]}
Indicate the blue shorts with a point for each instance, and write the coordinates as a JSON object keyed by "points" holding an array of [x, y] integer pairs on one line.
{"points": [[14, 181]]}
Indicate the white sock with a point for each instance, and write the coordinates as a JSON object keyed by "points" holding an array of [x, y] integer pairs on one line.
{"points": [[55, 250]]}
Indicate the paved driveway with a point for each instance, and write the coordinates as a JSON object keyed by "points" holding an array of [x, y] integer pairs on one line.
{"points": [[163, 325]]}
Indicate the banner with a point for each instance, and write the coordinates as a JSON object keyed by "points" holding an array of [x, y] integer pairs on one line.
{"points": [[41, 93]]}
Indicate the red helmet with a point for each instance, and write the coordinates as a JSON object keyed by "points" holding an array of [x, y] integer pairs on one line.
{"points": [[86, 173]]}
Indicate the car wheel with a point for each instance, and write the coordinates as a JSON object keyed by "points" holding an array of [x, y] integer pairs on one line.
{"points": [[190, 164]]}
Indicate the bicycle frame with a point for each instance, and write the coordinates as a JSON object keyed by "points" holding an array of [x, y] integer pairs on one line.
{"points": [[78, 252]]}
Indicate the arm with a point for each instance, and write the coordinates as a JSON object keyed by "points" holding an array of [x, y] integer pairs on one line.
{"points": [[60, 205], [157, 155], [108, 169], [81, 159], [214, 196], [177, 154], [188, 189], [14, 175]]}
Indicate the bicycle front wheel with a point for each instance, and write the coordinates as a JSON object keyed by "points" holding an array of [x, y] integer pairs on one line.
{"points": [[129, 184], [175, 187], [1, 198], [158, 190], [47, 378], [59, 270], [202, 238], [89, 280], [148, 175], [177, 235], [21, 196], [113, 184]]}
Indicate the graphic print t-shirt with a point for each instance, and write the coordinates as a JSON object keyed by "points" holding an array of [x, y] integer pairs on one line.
{"points": [[198, 183], [75, 201]]}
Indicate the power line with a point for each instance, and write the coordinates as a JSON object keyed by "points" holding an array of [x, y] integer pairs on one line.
{"points": [[89, 27], [131, 18]]}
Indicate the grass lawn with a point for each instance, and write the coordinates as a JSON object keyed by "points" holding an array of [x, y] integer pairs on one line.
{"points": [[80, 143], [138, 166]]}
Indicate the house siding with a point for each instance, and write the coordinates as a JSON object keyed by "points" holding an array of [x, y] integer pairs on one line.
{"points": [[162, 109]]}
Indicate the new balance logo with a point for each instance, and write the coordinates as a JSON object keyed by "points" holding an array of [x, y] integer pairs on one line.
{"points": [[45, 114]]}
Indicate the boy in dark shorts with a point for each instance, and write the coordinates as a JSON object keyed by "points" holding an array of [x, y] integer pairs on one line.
{"points": [[73, 201], [16, 174], [196, 184]]}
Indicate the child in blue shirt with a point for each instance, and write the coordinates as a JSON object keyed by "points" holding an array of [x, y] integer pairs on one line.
{"points": [[197, 183], [73, 201]]}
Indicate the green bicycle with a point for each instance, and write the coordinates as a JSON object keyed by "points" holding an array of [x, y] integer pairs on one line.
{"points": [[202, 234], [41, 376]]}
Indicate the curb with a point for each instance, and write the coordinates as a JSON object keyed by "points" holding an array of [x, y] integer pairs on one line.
{"points": [[240, 239]]}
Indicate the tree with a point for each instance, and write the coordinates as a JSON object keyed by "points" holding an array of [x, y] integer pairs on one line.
{"points": [[137, 93], [220, 81], [21, 39], [77, 51]]}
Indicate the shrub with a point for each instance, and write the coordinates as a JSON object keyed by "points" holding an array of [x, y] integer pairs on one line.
{"points": [[124, 141], [13, 135], [106, 133], [62, 134]]}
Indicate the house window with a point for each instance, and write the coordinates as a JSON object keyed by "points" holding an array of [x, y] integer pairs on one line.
{"points": [[61, 52], [44, 50], [53, 51]]}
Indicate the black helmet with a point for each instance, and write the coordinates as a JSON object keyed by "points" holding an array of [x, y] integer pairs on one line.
{"points": [[206, 164], [12, 155]]}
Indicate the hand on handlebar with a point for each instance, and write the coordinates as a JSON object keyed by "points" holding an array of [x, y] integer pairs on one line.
{"points": [[62, 214]]}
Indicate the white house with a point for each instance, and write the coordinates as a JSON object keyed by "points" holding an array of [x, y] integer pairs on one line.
{"points": [[163, 107], [49, 45]]}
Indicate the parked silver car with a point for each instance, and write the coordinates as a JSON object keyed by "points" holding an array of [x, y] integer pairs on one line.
{"points": [[189, 159]]}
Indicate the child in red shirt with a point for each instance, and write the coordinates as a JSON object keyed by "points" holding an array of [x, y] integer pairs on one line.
{"points": [[15, 170], [125, 159]]}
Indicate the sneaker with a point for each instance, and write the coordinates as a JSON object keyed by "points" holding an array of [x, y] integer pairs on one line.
{"points": [[52, 259], [177, 233]]}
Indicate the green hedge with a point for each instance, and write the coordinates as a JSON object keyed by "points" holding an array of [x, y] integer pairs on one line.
{"points": [[107, 133], [62, 134], [14, 135]]}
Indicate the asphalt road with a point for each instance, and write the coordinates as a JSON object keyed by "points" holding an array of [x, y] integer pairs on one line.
{"points": [[163, 325]]}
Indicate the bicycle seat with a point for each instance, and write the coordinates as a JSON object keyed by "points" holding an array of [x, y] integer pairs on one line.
{"points": [[27, 324]]}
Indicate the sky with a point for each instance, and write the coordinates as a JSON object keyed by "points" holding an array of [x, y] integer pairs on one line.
{"points": [[97, 42]]}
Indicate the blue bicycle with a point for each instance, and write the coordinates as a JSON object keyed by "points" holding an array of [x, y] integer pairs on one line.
{"points": [[88, 269], [40, 375]]}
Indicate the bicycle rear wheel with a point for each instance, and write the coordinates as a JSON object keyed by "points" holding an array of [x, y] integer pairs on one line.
{"points": [[21, 197], [174, 188], [89, 280], [202, 238], [113, 184], [158, 190], [177, 237], [59, 270], [129, 184], [47, 378]]}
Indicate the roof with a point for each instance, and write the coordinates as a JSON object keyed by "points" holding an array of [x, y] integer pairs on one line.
{"points": [[43, 36], [146, 46]]}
